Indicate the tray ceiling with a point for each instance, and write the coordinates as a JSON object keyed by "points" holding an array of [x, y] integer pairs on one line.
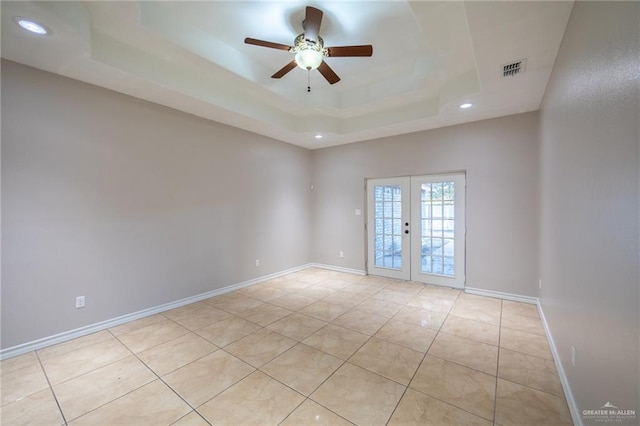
{"points": [[428, 58]]}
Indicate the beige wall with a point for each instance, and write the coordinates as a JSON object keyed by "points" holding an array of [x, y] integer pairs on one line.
{"points": [[133, 205], [590, 148], [500, 158]]}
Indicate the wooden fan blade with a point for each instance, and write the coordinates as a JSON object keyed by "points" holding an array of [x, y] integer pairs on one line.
{"points": [[284, 70], [270, 44], [311, 23], [364, 50], [328, 73]]}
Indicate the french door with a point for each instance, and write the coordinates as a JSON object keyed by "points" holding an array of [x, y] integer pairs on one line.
{"points": [[416, 228]]}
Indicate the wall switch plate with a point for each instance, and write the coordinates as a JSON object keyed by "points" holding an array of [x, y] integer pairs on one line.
{"points": [[540, 283], [79, 302], [257, 262], [358, 212], [573, 355], [341, 254]]}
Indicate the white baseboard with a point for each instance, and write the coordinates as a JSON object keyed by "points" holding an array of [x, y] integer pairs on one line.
{"points": [[571, 402], [103, 325], [501, 295], [338, 268]]}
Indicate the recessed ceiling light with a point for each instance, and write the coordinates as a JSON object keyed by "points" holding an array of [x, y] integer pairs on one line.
{"points": [[318, 136], [32, 26], [465, 106]]}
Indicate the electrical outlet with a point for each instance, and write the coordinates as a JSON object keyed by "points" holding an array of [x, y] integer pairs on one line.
{"points": [[257, 262], [79, 302], [573, 355], [341, 254]]}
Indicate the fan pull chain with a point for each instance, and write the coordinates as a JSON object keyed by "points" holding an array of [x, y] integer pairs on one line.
{"points": [[308, 80]]}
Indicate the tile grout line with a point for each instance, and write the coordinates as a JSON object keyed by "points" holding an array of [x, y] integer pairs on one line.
{"points": [[305, 396], [497, 346], [225, 389], [194, 411], [469, 338], [462, 365], [330, 375], [533, 389], [415, 372], [222, 348], [453, 362], [528, 354], [417, 368], [86, 372], [438, 331], [423, 357], [46, 376], [327, 378], [157, 378], [255, 368], [345, 361]]}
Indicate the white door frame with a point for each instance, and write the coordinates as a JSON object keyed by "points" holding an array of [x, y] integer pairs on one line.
{"points": [[410, 250]]}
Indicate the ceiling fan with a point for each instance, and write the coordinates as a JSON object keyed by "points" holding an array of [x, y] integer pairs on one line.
{"points": [[310, 51]]}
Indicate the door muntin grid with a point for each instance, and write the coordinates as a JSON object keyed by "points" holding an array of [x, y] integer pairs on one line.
{"points": [[387, 232], [437, 226]]}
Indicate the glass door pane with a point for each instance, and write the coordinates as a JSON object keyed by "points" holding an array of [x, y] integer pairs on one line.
{"points": [[438, 243], [438, 225], [387, 222], [388, 229]]}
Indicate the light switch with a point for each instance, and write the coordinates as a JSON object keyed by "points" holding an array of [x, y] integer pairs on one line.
{"points": [[358, 212]]}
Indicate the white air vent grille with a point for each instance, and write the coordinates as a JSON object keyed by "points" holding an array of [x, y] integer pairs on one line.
{"points": [[513, 68]]}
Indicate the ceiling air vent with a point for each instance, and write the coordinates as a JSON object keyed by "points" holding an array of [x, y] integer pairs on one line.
{"points": [[513, 68]]}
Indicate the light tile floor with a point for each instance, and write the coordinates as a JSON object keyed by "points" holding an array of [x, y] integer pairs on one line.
{"points": [[314, 347]]}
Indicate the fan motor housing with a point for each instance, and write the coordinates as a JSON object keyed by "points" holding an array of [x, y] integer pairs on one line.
{"points": [[300, 43]]}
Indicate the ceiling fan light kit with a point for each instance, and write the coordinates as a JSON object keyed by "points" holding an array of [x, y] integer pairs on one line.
{"points": [[309, 49], [309, 56]]}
